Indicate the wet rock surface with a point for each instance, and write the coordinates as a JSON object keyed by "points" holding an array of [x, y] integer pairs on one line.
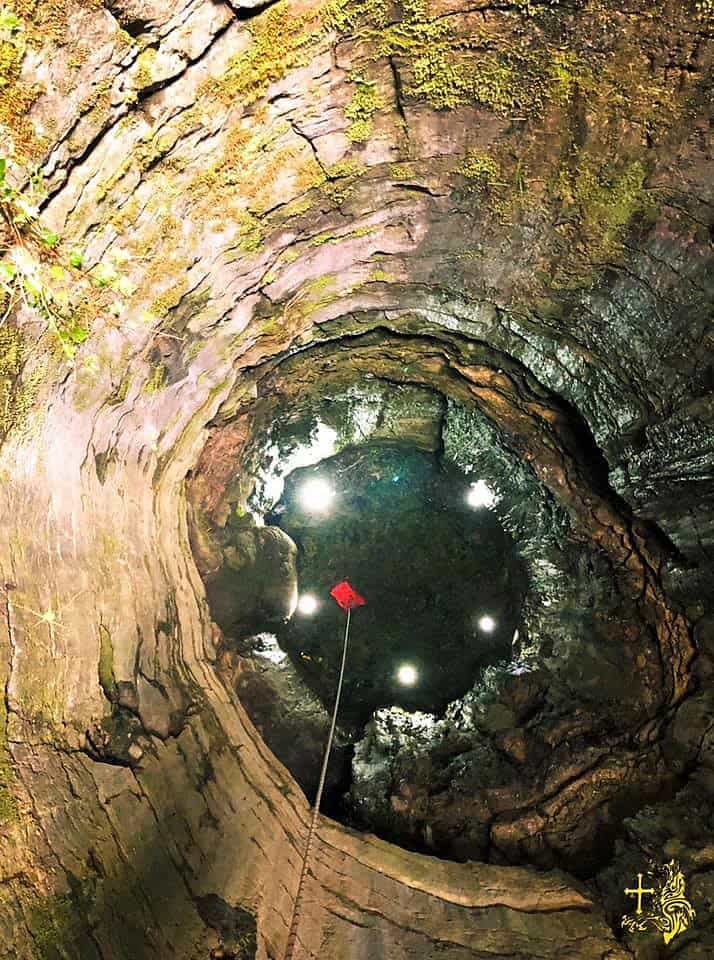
{"points": [[506, 209]]}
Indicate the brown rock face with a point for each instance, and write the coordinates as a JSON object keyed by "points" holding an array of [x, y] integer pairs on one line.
{"points": [[216, 214]]}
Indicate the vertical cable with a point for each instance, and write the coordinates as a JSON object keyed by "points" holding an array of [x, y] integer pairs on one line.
{"points": [[295, 920]]}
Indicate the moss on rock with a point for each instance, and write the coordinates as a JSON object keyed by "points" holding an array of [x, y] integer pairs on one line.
{"points": [[281, 40], [602, 201], [16, 395], [365, 103], [480, 167], [8, 807]]}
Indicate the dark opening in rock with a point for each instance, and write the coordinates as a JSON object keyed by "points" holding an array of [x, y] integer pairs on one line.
{"points": [[443, 581]]}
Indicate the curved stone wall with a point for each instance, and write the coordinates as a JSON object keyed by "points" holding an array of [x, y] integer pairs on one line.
{"points": [[508, 204]]}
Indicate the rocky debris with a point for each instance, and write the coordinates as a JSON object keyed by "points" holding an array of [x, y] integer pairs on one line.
{"points": [[286, 714], [257, 581]]}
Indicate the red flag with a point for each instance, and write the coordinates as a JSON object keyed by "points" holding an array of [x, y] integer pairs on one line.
{"points": [[346, 597]]}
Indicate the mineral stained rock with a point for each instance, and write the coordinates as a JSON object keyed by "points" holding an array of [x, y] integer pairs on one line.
{"points": [[213, 214]]}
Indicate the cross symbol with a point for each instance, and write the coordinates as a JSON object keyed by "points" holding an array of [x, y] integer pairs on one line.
{"points": [[638, 891]]}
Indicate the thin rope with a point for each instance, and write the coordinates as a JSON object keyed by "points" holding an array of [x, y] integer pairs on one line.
{"points": [[295, 920]]}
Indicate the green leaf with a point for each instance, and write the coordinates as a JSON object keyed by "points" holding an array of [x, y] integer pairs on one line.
{"points": [[56, 272], [8, 21], [32, 287], [103, 275], [7, 271], [75, 259], [78, 334], [68, 348], [3, 169], [49, 239]]}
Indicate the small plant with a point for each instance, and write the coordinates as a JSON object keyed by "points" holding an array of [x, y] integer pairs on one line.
{"points": [[38, 273], [30, 273]]}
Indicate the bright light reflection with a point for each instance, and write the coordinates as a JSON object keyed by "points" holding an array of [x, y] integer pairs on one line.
{"points": [[316, 495], [321, 446], [307, 604], [487, 624], [267, 648], [480, 495], [407, 675]]}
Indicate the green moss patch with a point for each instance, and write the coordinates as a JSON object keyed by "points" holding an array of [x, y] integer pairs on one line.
{"points": [[16, 395], [158, 379], [8, 807], [480, 167], [281, 40], [602, 201], [365, 102]]}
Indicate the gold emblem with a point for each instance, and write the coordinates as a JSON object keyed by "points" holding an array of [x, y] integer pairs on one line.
{"points": [[671, 912]]}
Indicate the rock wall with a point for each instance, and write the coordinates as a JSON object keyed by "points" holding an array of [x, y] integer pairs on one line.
{"points": [[510, 205]]}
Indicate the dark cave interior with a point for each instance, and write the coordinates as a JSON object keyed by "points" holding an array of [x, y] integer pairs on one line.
{"points": [[432, 567], [444, 585]]}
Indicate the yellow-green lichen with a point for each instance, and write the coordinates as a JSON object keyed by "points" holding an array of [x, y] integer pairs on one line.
{"points": [[323, 238], [280, 40], [143, 76], [271, 328], [402, 171], [12, 46], [313, 295], [158, 379], [16, 96], [444, 68], [326, 282], [296, 208], [365, 103], [511, 69], [381, 276], [8, 807], [568, 73], [447, 80], [602, 202], [533, 6], [249, 234], [16, 396], [169, 299], [119, 395], [259, 161], [345, 168], [480, 167], [46, 21], [97, 105]]}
